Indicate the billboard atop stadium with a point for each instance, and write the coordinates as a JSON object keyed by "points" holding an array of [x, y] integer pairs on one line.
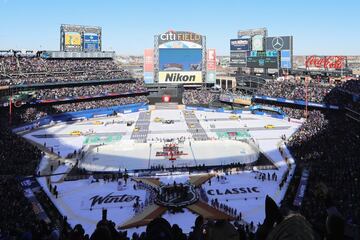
{"points": [[325, 62], [180, 77], [78, 38], [180, 57], [90, 42], [239, 44], [252, 32], [211, 66], [279, 43], [149, 66], [180, 39], [257, 43]]}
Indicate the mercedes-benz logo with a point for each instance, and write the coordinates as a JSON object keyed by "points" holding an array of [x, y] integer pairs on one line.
{"points": [[277, 43]]}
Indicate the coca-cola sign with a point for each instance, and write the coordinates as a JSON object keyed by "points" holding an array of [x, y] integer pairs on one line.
{"points": [[326, 62]]}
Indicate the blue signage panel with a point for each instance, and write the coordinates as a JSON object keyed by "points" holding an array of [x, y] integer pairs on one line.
{"points": [[239, 44], [91, 42], [285, 60]]}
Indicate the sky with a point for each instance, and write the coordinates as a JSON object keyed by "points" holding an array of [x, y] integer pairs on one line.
{"points": [[128, 26]]}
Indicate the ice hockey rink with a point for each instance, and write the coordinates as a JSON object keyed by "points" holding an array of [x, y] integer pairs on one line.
{"points": [[210, 138], [203, 137]]}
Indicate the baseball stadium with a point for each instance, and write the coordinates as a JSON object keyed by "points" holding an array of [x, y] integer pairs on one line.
{"points": [[178, 143]]}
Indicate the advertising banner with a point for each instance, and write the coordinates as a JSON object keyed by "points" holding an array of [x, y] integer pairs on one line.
{"points": [[149, 60], [239, 44], [91, 42], [148, 77], [242, 100], [301, 188], [238, 59], [149, 66], [325, 62], [211, 77], [211, 66], [279, 43], [211, 60], [72, 40], [257, 43], [180, 77], [285, 59]]}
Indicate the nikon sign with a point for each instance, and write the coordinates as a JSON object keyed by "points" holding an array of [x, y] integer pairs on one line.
{"points": [[180, 77], [179, 36]]}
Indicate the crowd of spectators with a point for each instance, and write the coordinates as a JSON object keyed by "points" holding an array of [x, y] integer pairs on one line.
{"points": [[32, 70], [346, 94], [89, 90], [296, 89], [327, 146], [19, 159], [199, 96], [34, 113]]}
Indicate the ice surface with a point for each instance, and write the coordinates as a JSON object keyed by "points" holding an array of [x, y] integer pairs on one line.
{"points": [[73, 200]]}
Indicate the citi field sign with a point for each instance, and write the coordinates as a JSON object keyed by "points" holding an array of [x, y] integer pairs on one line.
{"points": [[171, 36]]}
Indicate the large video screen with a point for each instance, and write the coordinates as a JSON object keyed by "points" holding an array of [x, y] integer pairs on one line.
{"points": [[180, 59], [72, 40], [91, 42], [262, 59]]}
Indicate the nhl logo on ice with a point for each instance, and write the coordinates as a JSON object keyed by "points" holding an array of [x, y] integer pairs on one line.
{"points": [[179, 195]]}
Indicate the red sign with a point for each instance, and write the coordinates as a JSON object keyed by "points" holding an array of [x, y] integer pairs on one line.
{"points": [[166, 98], [335, 62], [211, 60], [149, 60]]}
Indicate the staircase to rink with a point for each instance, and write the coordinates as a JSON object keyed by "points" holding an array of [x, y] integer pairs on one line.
{"points": [[142, 124], [197, 131]]}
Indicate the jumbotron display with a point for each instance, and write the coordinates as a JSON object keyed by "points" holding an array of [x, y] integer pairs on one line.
{"points": [[179, 57], [78, 38]]}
